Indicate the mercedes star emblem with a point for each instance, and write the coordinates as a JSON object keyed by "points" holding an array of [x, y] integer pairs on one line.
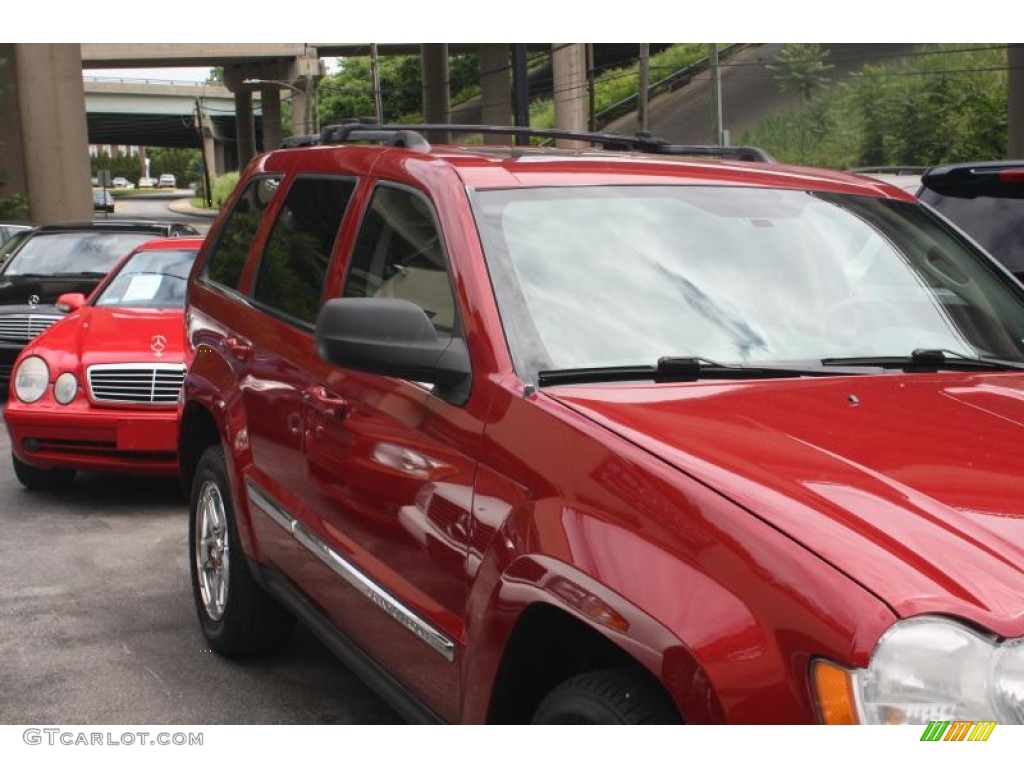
{"points": [[158, 344], [33, 300]]}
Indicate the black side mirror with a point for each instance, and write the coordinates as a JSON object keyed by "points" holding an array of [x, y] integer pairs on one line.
{"points": [[392, 337]]}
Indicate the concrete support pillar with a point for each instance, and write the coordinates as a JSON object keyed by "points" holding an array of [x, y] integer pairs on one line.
{"points": [[213, 156], [52, 137], [495, 89], [569, 72], [302, 113], [220, 157], [245, 127], [12, 161], [437, 106], [270, 99], [1015, 99]]}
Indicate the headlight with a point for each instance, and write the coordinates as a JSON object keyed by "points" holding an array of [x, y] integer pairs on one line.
{"points": [[65, 388], [31, 378], [928, 668]]}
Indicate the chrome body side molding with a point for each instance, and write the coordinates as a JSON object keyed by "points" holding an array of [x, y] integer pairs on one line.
{"points": [[426, 632]]}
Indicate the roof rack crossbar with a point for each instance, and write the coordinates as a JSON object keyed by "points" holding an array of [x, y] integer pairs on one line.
{"points": [[411, 136]]}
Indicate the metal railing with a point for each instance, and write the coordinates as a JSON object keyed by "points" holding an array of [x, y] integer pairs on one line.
{"points": [[667, 84]]}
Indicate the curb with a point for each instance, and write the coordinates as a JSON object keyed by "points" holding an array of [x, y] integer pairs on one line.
{"points": [[185, 207]]}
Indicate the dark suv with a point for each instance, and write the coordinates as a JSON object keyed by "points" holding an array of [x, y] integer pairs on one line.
{"points": [[986, 200], [607, 435], [62, 258]]}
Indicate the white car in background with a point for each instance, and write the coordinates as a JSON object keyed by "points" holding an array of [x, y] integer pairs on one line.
{"points": [[167, 181], [147, 182]]}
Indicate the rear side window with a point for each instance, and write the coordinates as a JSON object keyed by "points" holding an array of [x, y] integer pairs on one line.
{"points": [[227, 261], [298, 251], [399, 255]]}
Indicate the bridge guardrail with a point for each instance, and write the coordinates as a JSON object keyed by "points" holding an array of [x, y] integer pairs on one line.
{"points": [[667, 84]]}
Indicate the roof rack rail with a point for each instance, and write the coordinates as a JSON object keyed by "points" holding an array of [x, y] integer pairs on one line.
{"points": [[411, 136]]}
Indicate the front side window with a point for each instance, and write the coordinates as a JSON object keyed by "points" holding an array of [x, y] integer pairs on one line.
{"points": [[399, 255], [295, 260], [227, 261], [622, 276]]}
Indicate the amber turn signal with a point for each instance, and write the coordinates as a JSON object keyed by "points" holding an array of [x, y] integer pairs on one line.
{"points": [[833, 693]]}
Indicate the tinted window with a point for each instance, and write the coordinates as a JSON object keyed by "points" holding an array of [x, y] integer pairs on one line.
{"points": [[227, 261], [73, 253], [399, 255], [294, 264], [996, 222]]}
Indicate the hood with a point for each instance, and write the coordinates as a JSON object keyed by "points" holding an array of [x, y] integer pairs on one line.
{"points": [[911, 484], [105, 335], [15, 290]]}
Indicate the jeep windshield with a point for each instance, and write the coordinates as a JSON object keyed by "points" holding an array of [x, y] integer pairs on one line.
{"points": [[602, 277]]}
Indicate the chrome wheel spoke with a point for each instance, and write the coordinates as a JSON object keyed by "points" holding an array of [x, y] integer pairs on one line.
{"points": [[212, 550]]}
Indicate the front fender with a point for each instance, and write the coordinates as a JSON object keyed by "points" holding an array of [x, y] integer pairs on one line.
{"points": [[211, 396], [728, 616]]}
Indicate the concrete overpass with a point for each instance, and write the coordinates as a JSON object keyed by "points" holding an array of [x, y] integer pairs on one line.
{"points": [[143, 113], [45, 132]]}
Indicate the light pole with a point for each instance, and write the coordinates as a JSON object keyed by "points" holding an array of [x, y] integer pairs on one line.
{"points": [[311, 118]]}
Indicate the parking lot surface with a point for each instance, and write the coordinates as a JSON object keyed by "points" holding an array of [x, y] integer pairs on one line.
{"points": [[97, 624]]}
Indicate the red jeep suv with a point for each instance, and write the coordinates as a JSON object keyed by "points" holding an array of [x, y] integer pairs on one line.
{"points": [[618, 434]]}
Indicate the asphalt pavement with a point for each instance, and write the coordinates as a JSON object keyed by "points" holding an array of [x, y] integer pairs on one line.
{"points": [[97, 624]]}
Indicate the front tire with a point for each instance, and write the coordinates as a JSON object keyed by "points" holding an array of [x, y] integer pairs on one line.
{"points": [[237, 616], [38, 479], [624, 696]]}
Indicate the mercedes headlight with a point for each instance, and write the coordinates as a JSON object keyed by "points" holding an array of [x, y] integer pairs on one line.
{"points": [[31, 379], [923, 669]]}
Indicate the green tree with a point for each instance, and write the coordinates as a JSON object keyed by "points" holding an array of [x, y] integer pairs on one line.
{"points": [[348, 92], [800, 68], [183, 163], [127, 166], [946, 104]]}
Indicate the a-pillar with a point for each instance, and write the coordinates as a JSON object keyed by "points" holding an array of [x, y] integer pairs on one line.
{"points": [[45, 136], [495, 89], [245, 127], [1015, 97], [569, 73], [437, 107]]}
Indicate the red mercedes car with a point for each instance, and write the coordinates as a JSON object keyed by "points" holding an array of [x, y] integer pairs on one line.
{"points": [[98, 390]]}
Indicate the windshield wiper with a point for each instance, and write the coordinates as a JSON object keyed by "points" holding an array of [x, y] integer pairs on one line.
{"points": [[83, 273], [927, 361], [673, 369]]}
